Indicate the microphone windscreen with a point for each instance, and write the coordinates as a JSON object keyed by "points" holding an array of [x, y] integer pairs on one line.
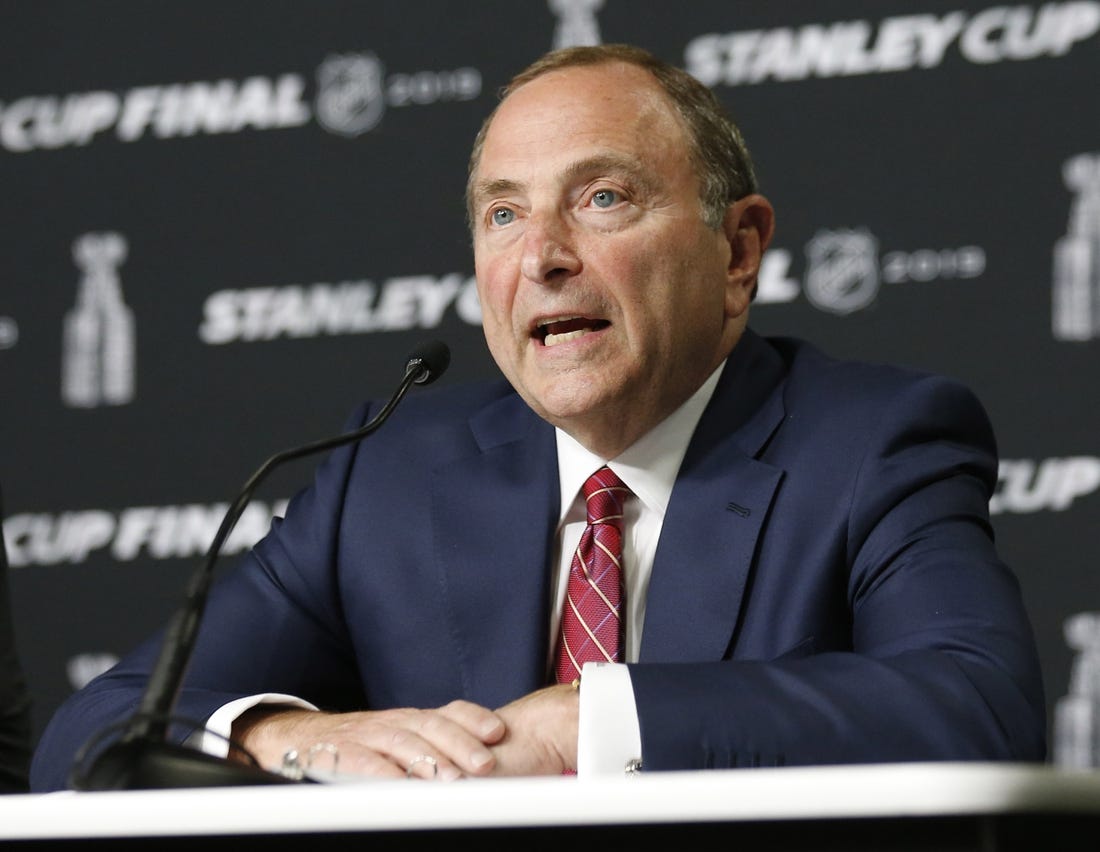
{"points": [[431, 359]]}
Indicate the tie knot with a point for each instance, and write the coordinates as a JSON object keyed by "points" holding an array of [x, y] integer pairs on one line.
{"points": [[604, 494]]}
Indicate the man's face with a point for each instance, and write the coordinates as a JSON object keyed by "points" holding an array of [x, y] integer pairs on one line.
{"points": [[606, 301]]}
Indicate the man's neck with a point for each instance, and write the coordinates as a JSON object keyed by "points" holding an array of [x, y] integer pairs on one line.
{"points": [[609, 438]]}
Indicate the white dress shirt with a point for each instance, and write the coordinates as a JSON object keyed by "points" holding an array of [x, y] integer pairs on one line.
{"points": [[609, 738]]}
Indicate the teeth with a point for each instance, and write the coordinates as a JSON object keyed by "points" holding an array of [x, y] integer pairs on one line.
{"points": [[551, 322], [555, 339]]}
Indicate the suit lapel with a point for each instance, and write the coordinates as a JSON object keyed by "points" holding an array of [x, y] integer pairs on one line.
{"points": [[495, 511], [716, 513]]}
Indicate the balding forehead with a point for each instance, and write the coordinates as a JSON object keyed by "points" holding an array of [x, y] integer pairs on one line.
{"points": [[484, 184]]}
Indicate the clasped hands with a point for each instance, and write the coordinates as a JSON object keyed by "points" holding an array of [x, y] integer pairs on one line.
{"points": [[533, 735]]}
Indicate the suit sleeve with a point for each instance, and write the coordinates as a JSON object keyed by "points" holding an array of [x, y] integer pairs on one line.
{"points": [[937, 660]]}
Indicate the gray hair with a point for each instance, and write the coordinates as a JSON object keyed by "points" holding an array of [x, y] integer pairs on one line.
{"points": [[718, 151]]}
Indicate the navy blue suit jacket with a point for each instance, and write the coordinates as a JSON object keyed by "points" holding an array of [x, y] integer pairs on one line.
{"points": [[825, 589]]}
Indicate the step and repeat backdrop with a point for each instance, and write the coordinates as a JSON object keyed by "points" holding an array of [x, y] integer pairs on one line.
{"points": [[226, 224]]}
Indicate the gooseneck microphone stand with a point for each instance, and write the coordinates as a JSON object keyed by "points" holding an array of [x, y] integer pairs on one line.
{"points": [[142, 757]]}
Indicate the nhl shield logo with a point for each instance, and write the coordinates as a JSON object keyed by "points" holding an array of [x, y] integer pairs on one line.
{"points": [[842, 274], [350, 100]]}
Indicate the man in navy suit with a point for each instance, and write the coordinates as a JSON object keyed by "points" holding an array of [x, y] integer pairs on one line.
{"points": [[810, 576]]}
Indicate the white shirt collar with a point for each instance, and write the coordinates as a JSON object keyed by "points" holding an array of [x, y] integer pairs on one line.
{"points": [[649, 466]]}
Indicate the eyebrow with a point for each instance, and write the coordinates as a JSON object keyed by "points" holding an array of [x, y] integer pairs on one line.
{"points": [[611, 163], [489, 188]]}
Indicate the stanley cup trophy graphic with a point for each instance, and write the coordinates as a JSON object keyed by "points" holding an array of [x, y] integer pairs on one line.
{"points": [[1076, 292], [98, 350], [577, 25]]}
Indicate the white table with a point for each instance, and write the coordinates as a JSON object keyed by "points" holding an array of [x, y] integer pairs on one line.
{"points": [[901, 806]]}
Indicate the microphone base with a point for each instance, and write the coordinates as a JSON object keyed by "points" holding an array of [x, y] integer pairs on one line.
{"points": [[144, 765]]}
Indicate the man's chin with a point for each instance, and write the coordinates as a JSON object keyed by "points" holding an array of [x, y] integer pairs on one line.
{"points": [[566, 400]]}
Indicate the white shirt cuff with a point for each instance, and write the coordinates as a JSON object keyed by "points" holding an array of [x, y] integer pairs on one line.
{"points": [[215, 738], [609, 739]]}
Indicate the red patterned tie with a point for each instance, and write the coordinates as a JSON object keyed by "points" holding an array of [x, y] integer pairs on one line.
{"points": [[591, 627]]}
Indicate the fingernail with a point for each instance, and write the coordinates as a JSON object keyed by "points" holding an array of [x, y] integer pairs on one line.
{"points": [[449, 773], [480, 756]]}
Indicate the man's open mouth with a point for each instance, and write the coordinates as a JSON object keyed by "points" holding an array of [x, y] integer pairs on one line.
{"points": [[569, 328]]}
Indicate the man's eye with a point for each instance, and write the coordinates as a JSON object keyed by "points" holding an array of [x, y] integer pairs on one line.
{"points": [[503, 216], [604, 197]]}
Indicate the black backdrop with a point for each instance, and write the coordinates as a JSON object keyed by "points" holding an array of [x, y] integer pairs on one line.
{"points": [[225, 224]]}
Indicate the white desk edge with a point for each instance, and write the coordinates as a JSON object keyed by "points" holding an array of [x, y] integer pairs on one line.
{"points": [[889, 790]]}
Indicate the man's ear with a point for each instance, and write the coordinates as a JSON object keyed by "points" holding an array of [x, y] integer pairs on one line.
{"points": [[748, 227]]}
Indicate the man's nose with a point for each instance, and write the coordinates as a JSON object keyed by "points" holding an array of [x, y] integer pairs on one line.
{"points": [[548, 250]]}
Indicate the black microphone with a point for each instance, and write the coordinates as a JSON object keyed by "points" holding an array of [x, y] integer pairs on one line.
{"points": [[429, 361], [142, 757]]}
